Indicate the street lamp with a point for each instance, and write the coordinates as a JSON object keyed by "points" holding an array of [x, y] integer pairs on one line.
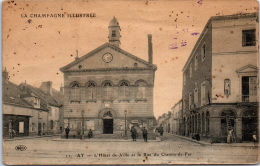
{"points": [[82, 113], [125, 123]]}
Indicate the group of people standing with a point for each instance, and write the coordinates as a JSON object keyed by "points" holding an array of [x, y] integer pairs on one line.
{"points": [[134, 133], [67, 131]]}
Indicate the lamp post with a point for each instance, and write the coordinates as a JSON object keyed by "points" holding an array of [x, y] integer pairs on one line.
{"points": [[125, 123], [82, 113]]}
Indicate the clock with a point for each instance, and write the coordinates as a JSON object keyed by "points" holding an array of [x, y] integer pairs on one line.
{"points": [[107, 57]]}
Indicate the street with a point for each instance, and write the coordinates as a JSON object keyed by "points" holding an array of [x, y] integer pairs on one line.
{"points": [[172, 150]]}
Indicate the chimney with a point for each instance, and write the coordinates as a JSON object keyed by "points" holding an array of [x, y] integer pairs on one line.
{"points": [[46, 87], [150, 49], [61, 89], [5, 75]]}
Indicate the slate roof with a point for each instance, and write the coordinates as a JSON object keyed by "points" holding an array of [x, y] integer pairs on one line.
{"points": [[45, 99], [93, 52], [11, 94]]}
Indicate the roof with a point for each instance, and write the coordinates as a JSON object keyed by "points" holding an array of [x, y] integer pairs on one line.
{"points": [[45, 99], [93, 52], [213, 18], [58, 96], [113, 22], [12, 95]]}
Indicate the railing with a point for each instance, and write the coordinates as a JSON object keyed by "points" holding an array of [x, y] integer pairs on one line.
{"points": [[249, 98]]}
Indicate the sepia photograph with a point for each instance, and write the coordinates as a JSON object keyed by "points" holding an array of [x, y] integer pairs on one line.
{"points": [[130, 82]]}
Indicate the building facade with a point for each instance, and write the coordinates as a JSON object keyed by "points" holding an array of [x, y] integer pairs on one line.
{"points": [[176, 118], [22, 114], [109, 90], [47, 101], [220, 80]]}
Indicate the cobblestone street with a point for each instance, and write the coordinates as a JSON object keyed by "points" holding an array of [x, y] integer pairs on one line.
{"points": [[172, 150]]}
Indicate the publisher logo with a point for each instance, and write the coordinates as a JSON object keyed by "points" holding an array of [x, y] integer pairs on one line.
{"points": [[20, 148]]}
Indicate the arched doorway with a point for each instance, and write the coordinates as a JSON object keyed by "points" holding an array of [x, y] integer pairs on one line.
{"points": [[108, 124], [227, 122], [249, 125]]}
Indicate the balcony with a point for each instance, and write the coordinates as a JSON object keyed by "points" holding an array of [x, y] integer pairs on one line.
{"points": [[249, 98]]}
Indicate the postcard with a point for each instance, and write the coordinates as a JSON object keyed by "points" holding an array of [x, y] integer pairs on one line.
{"points": [[130, 82]]}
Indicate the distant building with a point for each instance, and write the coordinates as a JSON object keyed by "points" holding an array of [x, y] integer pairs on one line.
{"points": [[176, 118], [51, 100], [107, 85], [22, 113], [172, 122], [220, 79]]}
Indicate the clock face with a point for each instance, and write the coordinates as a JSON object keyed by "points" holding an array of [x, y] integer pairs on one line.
{"points": [[107, 57]]}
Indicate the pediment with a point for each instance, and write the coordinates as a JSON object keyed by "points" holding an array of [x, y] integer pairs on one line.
{"points": [[107, 56], [247, 69]]}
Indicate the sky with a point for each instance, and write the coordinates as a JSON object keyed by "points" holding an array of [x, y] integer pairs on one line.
{"points": [[35, 48]]}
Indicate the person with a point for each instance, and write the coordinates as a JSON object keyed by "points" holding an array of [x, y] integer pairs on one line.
{"points": [[197, 136], [229, 136], [90, 133], [145, 133], [10, 133], [254, 138], [161, 130], [133, 133], [67, 130]]}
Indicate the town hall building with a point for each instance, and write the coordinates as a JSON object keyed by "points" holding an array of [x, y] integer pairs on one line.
{"points": [[109, 90]]}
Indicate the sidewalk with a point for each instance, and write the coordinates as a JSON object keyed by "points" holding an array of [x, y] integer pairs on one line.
{"points": [[28, 137], [246, 144]]}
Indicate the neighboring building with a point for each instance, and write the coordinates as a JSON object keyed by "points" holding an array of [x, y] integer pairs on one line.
{"points": [[220, 79], [46, 96], [107, 85], [176, 118], [172, 122], [23, 114]]}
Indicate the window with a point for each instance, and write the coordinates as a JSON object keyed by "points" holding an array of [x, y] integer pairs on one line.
{"points": [[124, 90], [190, 101], [203, 94], [108, 91], [203, 52], [249, 89], [75, 92], [141, 88], [196, 62], [91, 91], [248, 38], [196, 100], [190, 70], [113, 33]]}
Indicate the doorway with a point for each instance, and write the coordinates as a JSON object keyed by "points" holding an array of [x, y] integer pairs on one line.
{"points": [[108, 126], [249, 125], [39, 129]]}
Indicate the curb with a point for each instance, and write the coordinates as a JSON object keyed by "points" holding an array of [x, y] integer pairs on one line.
{"points": [[215, 144], [192, 140], [22, 138]]}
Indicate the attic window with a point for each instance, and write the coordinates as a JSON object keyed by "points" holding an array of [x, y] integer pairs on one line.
{"points": [[113, 33], [80, 66], [135, 64]]}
